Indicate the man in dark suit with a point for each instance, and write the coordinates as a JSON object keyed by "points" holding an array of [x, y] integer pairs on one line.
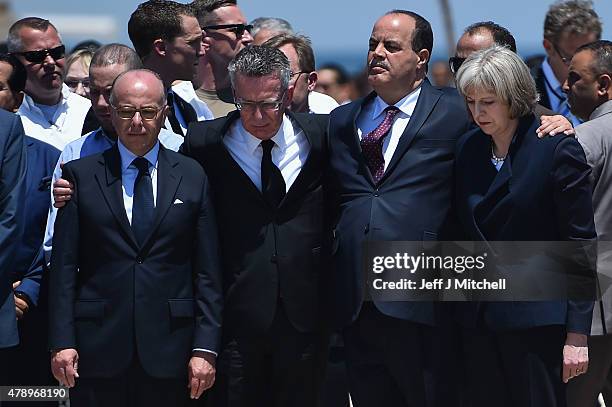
{"points": [[135, 286], [391, 171], [265, 168], [28, 361], [12, 188]]}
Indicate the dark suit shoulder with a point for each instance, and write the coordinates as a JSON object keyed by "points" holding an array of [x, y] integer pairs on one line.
{"points": [[186, 164]]}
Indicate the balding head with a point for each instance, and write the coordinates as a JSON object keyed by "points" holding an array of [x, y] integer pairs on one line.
{"points": [[139, 109]]}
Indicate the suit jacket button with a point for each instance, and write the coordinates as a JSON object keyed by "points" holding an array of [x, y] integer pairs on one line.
{"points": [[139, 260]]}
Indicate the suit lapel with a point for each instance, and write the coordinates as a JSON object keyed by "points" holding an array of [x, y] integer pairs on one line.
{"points": [[188, 112], [168, 180], [428, 98], [109, 181]]}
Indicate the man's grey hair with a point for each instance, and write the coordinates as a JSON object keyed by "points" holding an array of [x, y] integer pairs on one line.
{"points": [[162, 99], [574, 17], [602, 56], [116, 54], [501, 71], [13, 41], [258, 61], [274, 24]]}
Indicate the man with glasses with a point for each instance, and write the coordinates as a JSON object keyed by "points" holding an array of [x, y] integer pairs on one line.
{"points": [[298, 50], [225, 33], [49, 111], [167, 37], [568, 25], [265, 169], [135, 289]]}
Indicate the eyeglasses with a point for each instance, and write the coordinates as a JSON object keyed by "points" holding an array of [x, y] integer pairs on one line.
{"points": [[127, 113], [297, 73], [454, 63], [39, 56], [237, 29], [566, 60], [263, 106], [73, 83]]}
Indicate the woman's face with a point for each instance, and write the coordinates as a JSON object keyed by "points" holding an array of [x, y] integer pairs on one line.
{"points": [[77, 78], [490, 113]]}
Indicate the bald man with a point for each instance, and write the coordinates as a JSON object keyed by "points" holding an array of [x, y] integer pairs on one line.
{"points": [[139, 323]]}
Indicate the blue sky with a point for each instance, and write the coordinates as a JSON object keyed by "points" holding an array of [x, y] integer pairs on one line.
{"points": [[341, 28]]}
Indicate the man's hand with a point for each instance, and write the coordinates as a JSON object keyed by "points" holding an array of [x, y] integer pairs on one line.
{"points": [[21, 306], [551, 125], [64, 366], [201, 373], [62, 191], [575, 356]]}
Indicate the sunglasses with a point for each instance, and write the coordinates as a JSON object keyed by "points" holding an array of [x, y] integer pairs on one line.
{"points": [[237, 29], [74, 83], [39, 56], [454, 63], [127, 113]]}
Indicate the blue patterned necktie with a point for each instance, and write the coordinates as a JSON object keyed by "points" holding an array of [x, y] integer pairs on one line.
{"points": [[143, 204]]}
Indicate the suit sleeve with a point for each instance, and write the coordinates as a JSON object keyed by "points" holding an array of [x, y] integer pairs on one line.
{"points": [[63, 274], [208, 277], [574, 210], [12, 190]]}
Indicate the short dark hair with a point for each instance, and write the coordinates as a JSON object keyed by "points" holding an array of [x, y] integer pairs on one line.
{"points": [[602, 52], [501, 35], [342, 76], [302, 46], [156, 19], [19, 76], [202, 8], [574, 17], [14, 41], [422, 37]]}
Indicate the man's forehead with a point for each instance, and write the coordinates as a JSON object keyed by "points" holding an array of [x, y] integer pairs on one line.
{"points": [[190, 25], [29, 35], [398, 27], [230, 14], [470, 43]]}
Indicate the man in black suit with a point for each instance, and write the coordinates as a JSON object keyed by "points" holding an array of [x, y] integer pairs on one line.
{"points": [[135, 285], [265, 168], [391, 171]]}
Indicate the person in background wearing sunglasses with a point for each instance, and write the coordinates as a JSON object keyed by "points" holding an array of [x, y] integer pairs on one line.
{"points": [[77, 71], [142, 321], [225, 33], [568, 25], [485, 34], [265, 166], [49, 112]]}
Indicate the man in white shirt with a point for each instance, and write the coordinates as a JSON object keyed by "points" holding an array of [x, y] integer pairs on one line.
{"points": [[568, 25], [49, 112]]}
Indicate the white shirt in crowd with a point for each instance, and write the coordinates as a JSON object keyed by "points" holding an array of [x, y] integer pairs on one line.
{"points": [[321, 103]]}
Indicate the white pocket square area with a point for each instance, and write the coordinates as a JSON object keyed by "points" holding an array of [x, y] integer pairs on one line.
{"points": [[177, 201]]}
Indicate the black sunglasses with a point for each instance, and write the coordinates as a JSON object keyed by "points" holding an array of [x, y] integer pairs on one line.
{"points": [[39, 56], [454, 63], [238, 29]]}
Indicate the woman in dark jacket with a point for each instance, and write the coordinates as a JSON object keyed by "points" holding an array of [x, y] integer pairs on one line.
{"points": [[513, 186]]}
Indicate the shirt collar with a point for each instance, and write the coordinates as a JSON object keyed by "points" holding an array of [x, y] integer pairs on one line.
{"points": [[550, 76], [406, 105], [279, 138], [127, 156]]}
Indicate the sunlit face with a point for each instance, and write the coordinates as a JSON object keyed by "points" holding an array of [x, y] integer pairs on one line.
{"points": [[101, 82], [489, 112], [391, 61], [45, 79], [9, 100], [138, 90], [582, 85], [224, 44], [77, 78], [470, 43], [183, 51], [301, 81], [261, 122]]}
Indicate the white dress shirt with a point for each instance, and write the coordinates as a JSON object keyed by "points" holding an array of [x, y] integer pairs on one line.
{"points": [[290, 151], [64, 126], [374, 113], [321, 103], [185, 91]]}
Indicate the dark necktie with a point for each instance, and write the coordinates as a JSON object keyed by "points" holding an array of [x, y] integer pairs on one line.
{"points": [[272, 182], [143, 205], [176, 126], [371, 144]]}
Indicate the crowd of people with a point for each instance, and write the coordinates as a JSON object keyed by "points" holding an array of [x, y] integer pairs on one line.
{"points": [[182, 221]]}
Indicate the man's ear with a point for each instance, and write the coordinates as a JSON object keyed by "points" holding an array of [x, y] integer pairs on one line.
{"points": [[423, 59], [548, 46], [312, 80], [18, 101], [159, 47], [289, 95], [604, 83]]}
